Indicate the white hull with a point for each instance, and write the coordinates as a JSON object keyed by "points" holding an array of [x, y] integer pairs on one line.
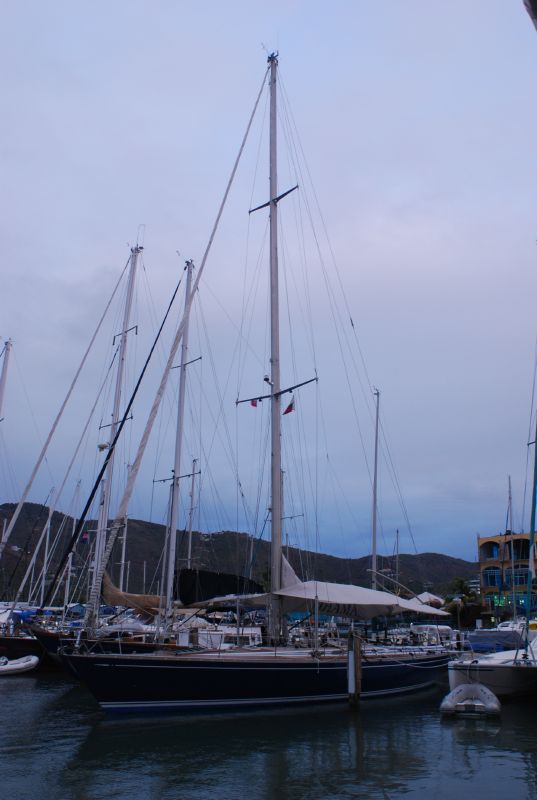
{"points": [[18, 665], [508, 674], [470, 699]]}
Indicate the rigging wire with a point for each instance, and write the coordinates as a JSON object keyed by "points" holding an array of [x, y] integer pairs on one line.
{"points": [[110, 451], [340, 330], [245, 302], [31, 410], [7, 467], [58, 417], [298, 151], [160, 391], [221, 417], [68, 471], [24, 549], [531, 428]]}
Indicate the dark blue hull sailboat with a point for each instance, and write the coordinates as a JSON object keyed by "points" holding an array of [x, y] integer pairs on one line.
{"points": [[268, 676], [235, 679]]}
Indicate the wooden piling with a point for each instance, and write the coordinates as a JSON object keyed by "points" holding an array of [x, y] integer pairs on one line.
{"points": [[354, 669]]}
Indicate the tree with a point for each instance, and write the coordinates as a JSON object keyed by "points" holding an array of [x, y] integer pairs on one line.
{"points": [[462, 603]]}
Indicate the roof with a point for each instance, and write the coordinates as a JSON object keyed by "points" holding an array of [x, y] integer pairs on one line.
{"points": [[430, 599]]}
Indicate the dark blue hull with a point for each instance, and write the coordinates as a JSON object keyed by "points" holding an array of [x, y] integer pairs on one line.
{"points": [[202, 682], [18, 646]]}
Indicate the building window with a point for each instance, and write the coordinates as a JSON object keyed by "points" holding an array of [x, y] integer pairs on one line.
{"points": [[521, 549], [488, 551], [491, 577], [521, 576]]}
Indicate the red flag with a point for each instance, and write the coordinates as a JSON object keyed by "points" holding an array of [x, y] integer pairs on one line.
{"points": [[290, 407], [253, 403]]}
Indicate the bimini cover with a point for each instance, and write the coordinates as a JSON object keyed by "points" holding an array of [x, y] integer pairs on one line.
{"points": [[347, 600], [341, 599]]}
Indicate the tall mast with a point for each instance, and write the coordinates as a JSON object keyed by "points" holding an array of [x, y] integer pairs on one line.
{"points": [[191, 515], [123, 554], [510, 525], [45, 557], [276, 496], [531, 553], [276, 468], [175, 495], [374, 510], [104, 508], [3, 377], [69, 568], [397, 555]]}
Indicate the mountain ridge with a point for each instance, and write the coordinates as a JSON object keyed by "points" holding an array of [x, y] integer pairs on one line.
{"points": [[222, 551]]}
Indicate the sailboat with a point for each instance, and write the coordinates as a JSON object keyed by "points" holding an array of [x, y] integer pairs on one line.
{"points": [[274, 674]]}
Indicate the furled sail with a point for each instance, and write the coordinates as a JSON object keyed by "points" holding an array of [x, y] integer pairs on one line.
{"points": [[146, 604]]}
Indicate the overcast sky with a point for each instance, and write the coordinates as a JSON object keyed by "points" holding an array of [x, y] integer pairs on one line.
{"points": [[418, 122]]}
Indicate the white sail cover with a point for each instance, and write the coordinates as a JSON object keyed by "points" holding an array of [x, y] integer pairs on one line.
{"points": [[347, 600], [342, 599]]}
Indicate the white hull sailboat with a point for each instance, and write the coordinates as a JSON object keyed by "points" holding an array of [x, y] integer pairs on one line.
{"points": [[512, 673]]}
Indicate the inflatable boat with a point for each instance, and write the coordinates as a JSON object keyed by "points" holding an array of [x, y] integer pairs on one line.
{"points": [[16, 665], [470, 699]]}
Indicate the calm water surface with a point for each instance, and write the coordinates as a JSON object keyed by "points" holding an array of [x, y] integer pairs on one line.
{"points": [[55, 743]]}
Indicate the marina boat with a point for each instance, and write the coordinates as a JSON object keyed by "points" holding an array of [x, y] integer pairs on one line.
{"points": [[470, 699], [174, 679], [507, 635], [235, 679], [126, 629], [15, 646], [275, 674], [17, 665], [16, 641], [167, 678], [138, 638], [512, 673]]}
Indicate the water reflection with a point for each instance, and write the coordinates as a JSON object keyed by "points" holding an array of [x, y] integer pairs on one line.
{"points": [[284, 754], [280, 755], [386, 750]]}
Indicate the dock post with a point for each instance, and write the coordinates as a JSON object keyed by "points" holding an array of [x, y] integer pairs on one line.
{"points": [[354, 669]]}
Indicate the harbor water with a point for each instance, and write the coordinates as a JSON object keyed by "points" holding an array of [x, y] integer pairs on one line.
{"points": [[56, 743]]}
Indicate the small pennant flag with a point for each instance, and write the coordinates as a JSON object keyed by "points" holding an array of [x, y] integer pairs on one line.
{"points": [[290, 407], [253, 403]]}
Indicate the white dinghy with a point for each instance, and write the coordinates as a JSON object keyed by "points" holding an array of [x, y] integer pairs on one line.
{"points": [[15, 665], [470, 699]]}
